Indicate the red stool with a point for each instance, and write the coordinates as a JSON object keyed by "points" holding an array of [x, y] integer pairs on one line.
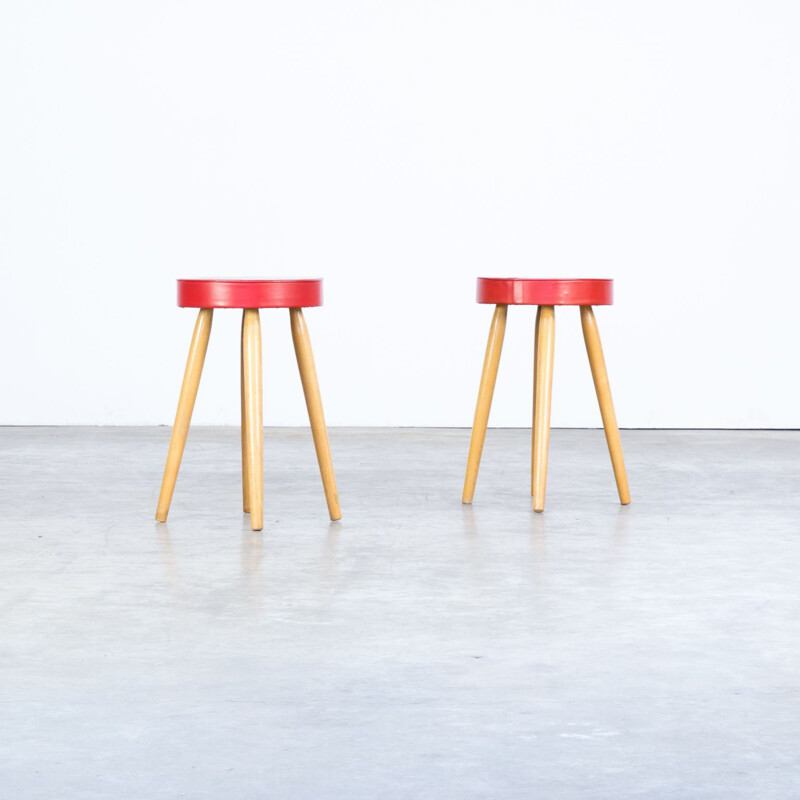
{"points": [[249, 295], [546, 294]]}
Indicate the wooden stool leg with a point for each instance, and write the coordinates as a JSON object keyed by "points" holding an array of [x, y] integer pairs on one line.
{"points": [[245, 459], [319, 432], [535, 373], [254, 416], [491, 362], [191, 380], [594, 350], [543, 390]]}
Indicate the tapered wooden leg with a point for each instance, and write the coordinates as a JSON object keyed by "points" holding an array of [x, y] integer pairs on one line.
{"points": [[491, 362], [308, 377], [594, 350], [191, 380], [254, 416], [543, 390], [245, 460], [535, 371]]}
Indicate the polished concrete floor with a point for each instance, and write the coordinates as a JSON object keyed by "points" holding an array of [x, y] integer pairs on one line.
{"points": [[417, 649]]}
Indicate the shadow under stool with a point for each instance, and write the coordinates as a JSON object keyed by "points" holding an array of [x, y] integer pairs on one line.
{"points": [[546, 294], [250, 296]]}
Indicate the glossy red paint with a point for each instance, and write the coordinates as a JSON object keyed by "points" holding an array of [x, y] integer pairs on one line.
{"points": [[541, 292], [238, 293]]}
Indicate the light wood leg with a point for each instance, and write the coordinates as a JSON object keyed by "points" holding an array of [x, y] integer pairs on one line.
{"points": [[535, 372], [254, 416], [191, 380], [308, 377], [491, 362], [245, 459], [594, 350], [543, 390]]}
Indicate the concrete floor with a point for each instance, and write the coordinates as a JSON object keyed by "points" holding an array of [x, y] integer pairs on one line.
{"points": [[418, 648]]}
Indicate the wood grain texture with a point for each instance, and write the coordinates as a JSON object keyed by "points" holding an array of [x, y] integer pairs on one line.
{"points": [[594, 350], [319, 432], [535, 371], [254, 416], [245, 435], [491, 361], [543, 390], [183, 416]]}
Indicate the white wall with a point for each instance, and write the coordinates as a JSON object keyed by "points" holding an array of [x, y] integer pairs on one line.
{"points": [[400, 149]]}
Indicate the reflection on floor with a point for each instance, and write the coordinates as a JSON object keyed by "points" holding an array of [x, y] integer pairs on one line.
{"points": [[418, 648]]}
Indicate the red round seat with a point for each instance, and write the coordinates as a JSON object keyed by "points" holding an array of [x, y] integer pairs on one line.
{"points": [[546, 292], [244, 293]]}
